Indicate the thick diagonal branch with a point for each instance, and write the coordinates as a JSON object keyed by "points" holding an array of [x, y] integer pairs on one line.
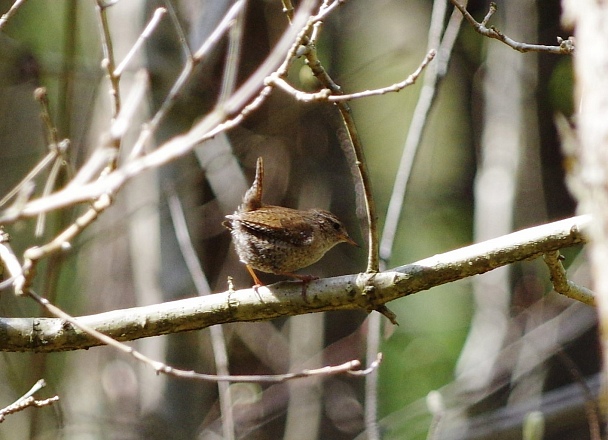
{"points": [[350, 292]]}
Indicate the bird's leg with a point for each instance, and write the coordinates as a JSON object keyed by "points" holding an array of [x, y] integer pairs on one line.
{"points": [[305, 279], [256, 280]]}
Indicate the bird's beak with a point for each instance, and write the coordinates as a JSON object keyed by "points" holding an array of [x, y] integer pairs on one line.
{"points": [[349, 240]]}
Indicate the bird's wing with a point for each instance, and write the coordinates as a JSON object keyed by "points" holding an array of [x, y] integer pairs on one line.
{"points": [[284, 224]]}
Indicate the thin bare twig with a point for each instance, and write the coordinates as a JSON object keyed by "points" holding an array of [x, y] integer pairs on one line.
{"points": [[562, 284], [21, 405], [8, 259], [61, 242], [40, 166], [351, 368], [326, 94], [41, 95], [21, 199], [12, 11], [59, 148], [124, 120], [108, 62], [566, 47], [59, 163], [233, 56], [371, 368], [181, 35], [156, 17], [35, 388], [28, 400], [288, 9]]}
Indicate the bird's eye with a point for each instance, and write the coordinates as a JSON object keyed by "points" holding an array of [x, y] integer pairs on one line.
{"points": [[336, 225]]}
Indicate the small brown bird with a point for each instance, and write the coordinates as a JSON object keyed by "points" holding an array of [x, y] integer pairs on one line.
{"points": [[280, 240]]}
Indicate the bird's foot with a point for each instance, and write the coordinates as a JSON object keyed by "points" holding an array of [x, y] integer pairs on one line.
{"points": [[305, 279]]}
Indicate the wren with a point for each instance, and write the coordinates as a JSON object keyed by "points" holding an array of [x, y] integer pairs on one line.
{"points": [[279, 240]]}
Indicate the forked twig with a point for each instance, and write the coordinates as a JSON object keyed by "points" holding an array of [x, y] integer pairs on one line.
{"points": [[562, 284], [566, 47], [28, 400]]}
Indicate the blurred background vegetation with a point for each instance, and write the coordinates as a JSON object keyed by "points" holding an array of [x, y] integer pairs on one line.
{"points": [[130, 257]]}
